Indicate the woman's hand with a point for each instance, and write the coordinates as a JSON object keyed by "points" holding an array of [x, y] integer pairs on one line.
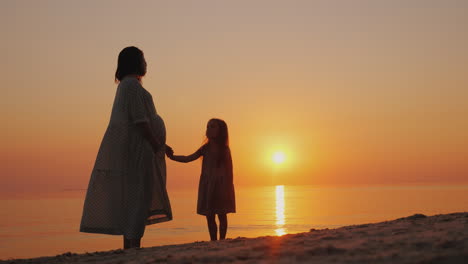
{"points": [[169, 152]]}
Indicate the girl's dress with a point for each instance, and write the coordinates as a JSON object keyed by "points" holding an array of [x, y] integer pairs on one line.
{"points": [[127, 188], [216, 188]]}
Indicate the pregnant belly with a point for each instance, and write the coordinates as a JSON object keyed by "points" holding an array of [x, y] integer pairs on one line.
{"points": [[159, 129]]}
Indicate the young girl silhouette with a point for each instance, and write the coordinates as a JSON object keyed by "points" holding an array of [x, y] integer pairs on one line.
{"points": [[216, 189]]}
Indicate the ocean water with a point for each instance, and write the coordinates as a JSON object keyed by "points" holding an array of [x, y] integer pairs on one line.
{"points": [[47, 224]]}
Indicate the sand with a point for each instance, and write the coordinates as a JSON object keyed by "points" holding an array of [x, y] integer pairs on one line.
{"points": [[413, 239]]}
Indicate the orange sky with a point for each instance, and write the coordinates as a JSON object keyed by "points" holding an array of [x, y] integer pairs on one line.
{"points": [[368, 92]]}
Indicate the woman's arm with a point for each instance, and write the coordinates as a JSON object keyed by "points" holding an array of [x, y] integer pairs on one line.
{"points": [[138, 114], [147, 133]]}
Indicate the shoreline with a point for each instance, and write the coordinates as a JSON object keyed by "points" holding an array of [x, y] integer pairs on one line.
{"points": [[413, 239]]}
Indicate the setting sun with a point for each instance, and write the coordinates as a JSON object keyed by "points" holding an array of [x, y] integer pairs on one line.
{"points": [[279, 157]]}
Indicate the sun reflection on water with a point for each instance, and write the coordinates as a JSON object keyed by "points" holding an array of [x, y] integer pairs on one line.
{"points": [[280, 219]]}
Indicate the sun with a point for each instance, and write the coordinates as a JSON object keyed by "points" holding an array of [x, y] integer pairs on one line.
{"points": [[279, 157]]}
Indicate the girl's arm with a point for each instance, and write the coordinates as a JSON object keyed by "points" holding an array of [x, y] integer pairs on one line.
{"points": [[186, 159]]}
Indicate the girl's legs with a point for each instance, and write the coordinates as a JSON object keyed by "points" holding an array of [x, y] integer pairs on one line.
{"points": [[212, 228], [222, 226], [132, 243]]}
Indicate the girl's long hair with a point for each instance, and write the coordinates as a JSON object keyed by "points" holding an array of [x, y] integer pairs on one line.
{"points": [[222, 140]]}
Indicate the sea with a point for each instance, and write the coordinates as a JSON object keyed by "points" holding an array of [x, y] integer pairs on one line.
{"points": [[47, 224]]}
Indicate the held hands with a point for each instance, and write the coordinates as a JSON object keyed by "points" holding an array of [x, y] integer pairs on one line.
{"points": [[169, 152]]}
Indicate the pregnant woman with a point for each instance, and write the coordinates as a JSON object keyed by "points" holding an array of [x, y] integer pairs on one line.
{"points": [[127, 189]]}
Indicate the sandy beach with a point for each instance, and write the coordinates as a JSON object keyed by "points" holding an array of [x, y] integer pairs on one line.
{"points": [[413, 239]]}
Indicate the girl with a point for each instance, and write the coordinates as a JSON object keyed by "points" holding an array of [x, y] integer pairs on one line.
{"points": [[216, 188]]}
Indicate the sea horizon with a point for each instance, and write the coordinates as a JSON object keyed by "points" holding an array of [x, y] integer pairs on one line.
{"points": [[28, 193]]}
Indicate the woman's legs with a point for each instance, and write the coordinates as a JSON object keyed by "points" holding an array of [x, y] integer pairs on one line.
{"points": [[212, 228], [222, 226], [132, 243], [126, 243]]}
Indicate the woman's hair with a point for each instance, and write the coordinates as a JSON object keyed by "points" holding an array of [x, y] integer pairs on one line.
{"points": [[131, 61], [222, 140]]}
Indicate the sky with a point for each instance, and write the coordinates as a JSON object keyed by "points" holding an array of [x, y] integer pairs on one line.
{"points": [[352, 92]]}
